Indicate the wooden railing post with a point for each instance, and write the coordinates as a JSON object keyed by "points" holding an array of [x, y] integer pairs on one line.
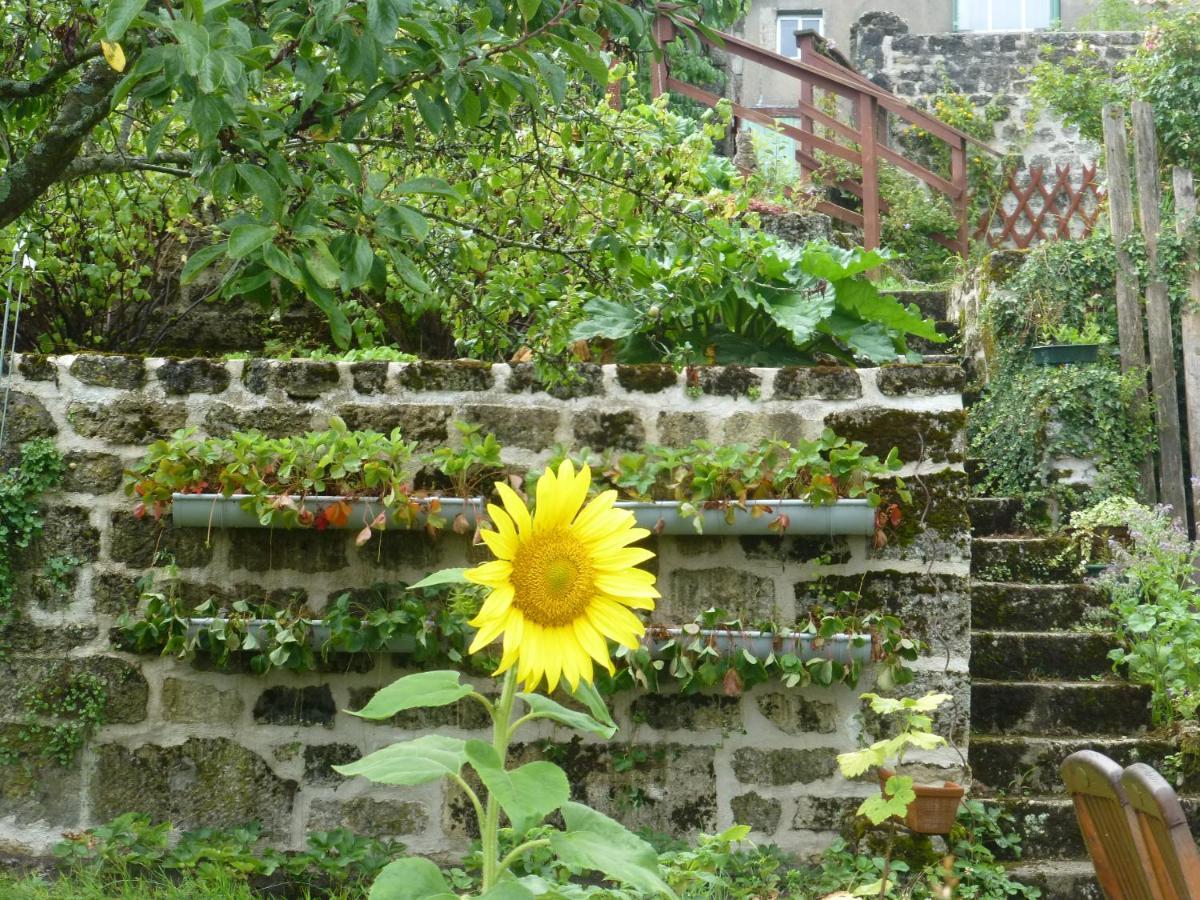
{"points": [[868, 146], [1185, 223], [958, 176], [1130, 332], [807, 96], [664, 32], [1158, 317]]}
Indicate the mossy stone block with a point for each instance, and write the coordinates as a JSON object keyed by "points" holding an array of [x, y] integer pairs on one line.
{"points": [[604, 430], [125, 372], [447, 375], [582, 380], [932, 437], [283, 705], [921, 381], [725, 381], [695, 712], [131, 419], [516, 426], [794, 714], [192, 376], [195, 702], [299, 549], [36, 367], [137, 542], [761, 813], [275, 420], [89, 472], [424, 423], [817, 383], [744, 594], [369, 377], [791, 765], [369, 817], [28, 418], [678, 429], [646, 379]]}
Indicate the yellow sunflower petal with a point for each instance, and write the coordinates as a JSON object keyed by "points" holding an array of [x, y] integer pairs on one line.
{"points": [[516, 508], [645, 603], [625, 585], [496, 605], [570, 656], [553, 658], [575, 494], [585, 522], [592, 643], [512, 641], [616, 621], [619, 560], [504, 547], [584, 662], [487, 633], [503, 522], [491, 574], [549, 512]]}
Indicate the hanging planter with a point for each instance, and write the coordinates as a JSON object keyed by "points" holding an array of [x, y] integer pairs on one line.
{"points": [[1065, 354], [839, 648], [755, 517], [935, 807]]}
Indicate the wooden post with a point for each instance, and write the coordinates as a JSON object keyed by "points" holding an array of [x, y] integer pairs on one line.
{"points": [[867, 118], [1129, 305], [1158, 317], [958, 176], [1185, 218], [807, 95], [664, 32]]}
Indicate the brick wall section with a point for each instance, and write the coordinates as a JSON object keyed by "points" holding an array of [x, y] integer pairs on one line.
{"points": [[213, 747]]}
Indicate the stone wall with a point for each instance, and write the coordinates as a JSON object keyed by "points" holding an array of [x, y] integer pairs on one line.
{"points": [[209, 747], [990, 68]]}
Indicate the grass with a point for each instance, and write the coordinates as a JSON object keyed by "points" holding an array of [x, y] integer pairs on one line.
{"points": [[148, 886]]}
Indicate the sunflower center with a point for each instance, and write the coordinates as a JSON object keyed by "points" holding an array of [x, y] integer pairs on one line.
{"points": [[553, 580]]}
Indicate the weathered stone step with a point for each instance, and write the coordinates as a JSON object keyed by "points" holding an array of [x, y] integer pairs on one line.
{"points": [[931, 301], [1022, 655], [1050, 831], [1003, 606], [993, 515], [1000, 762], [1031, 560], [1059, 707], [1060, 879]]}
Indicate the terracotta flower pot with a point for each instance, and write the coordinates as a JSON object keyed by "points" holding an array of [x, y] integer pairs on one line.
{"points": [[936, 806]]}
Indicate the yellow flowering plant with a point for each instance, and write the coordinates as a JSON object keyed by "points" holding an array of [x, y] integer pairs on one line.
{"points": [[563, 584]]}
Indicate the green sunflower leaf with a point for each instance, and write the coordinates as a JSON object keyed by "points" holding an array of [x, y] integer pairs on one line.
{"points": [[415, 691], [411, 762], [544, 708]]}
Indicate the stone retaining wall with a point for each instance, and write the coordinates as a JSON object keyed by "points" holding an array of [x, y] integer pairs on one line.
{"points": [[202, 746]]}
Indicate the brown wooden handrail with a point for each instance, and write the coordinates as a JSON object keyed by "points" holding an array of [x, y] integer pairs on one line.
{"points": [[816, 71]]}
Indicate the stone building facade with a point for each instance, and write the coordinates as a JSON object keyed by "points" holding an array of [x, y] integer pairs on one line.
{"points": [[202, 746]]}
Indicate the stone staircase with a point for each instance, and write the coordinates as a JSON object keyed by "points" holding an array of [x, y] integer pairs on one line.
{"points": [[1042, 688]]}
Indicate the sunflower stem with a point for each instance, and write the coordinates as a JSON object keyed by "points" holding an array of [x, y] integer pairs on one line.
{"points": [[489, 829]]}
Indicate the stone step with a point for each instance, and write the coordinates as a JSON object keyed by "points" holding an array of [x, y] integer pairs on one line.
{"points": [[925, 346], [1050, 831], [1001, 762], [1059, 707], [975, 469], [931, 301], [1029, 560], [1004, 606], [1025, 655], [993, 515], [1059, 879]]}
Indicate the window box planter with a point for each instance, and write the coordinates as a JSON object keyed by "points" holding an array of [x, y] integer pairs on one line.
{"points": [[1065, 354], [840, 648], [662, 517]]}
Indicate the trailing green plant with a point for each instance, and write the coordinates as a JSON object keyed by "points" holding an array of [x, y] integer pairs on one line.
{"points": [[1150, 580], [130, 848], [1029, 417], [21, 489], [58, 718], [428, 627]]}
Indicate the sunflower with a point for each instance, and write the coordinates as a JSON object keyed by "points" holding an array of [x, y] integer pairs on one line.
{"points": [[563, 582]]}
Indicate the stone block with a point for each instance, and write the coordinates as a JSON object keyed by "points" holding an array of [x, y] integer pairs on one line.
{"points": [[425, 424], [305, 379], [125, 687], [368, 817], [467, 715], [35, 367], [447, 375], [791, 765], [274, 420], [516, 426], [678, 429], [605, 430], [25, 637], [932, 437], [724, 381], [695, 712], [582, 380], [825, 813], [319, 760], [192, 376], [692, 591], [199, 703], [369, 377], [817, 383], [646, 379], [921, 381], [131, 419], [137, 542], [92, 473], [757, 426], [37, 791], [761, 813], [409, 549], [301, 550], [281, 705], [113, 593], [125, 372], [205, 782], [936, 525], [796, 549], [28, 418], [794, 714], [66, 531]]}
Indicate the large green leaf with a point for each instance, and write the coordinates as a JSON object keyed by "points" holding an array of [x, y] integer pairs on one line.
{"points": [[835, 263], [800, 314], [587, 694], [544, 708], [321, 264], [510, 890], [419, 761], [412, 878], [201, 260], [119, 15], [605, 319], [427, 184], [861, 298], [245, 239], [527, 794], [264, 186], [417, 691], [594, 841], [442, 576]]}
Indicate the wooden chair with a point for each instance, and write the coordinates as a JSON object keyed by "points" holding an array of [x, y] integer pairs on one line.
{"points": [[1172, 858], [1108, 825]]}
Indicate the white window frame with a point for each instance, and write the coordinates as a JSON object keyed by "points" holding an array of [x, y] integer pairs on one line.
{"points": [[801, 14], [991, 5]]}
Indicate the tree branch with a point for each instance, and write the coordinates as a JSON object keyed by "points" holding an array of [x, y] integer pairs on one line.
{"points": [[84, 107], [108, 163], [11, 89]]}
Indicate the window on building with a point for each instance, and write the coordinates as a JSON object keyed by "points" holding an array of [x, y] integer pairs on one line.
{"points": [[788, 23], [1004, 15]]}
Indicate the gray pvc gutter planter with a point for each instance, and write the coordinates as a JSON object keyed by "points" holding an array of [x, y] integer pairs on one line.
{"points": [[662, 517], [841, 648]]}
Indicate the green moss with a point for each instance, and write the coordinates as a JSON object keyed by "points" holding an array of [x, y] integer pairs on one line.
{"points": [[918, 436], [647, 379]]}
